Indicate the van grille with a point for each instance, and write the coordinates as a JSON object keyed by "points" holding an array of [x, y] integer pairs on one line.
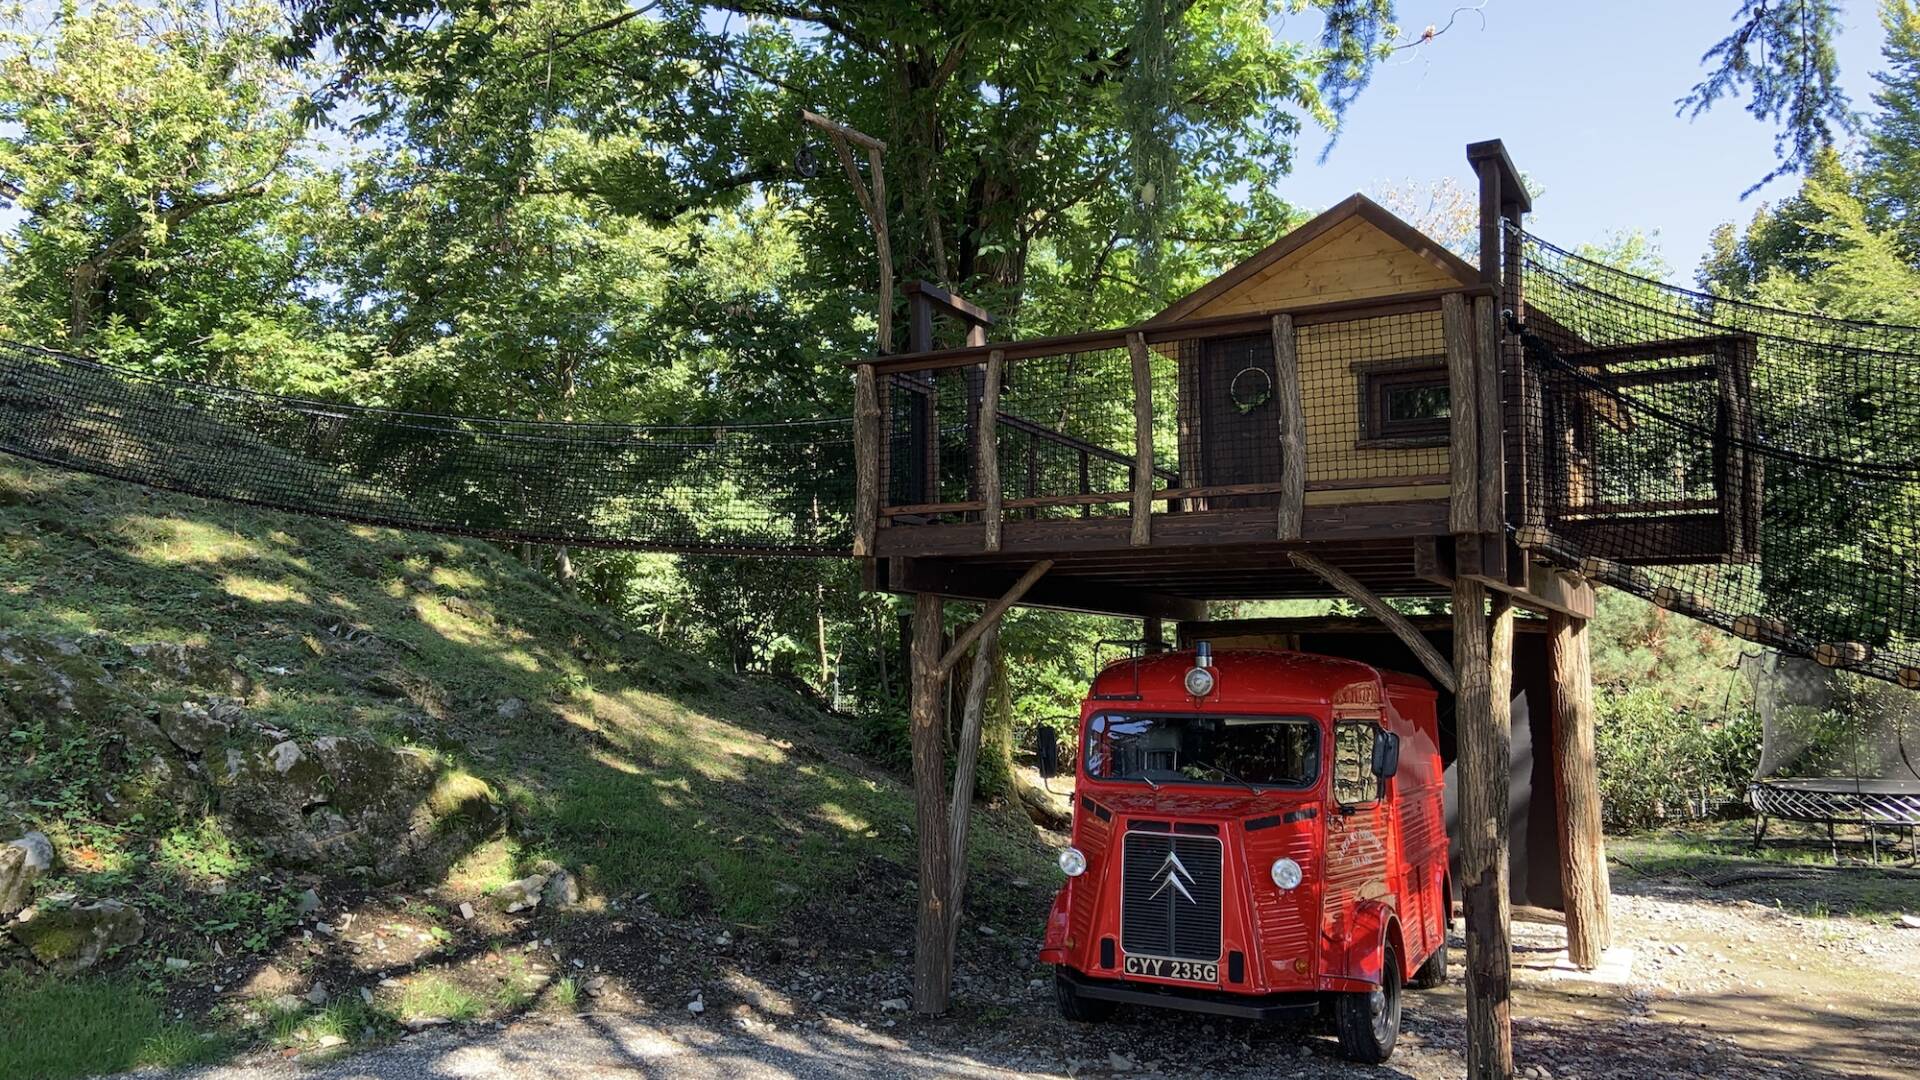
{"points": [[1157, 918]]}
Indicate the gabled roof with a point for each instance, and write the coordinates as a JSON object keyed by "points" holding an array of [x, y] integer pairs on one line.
{"points": [[1354, 206]]}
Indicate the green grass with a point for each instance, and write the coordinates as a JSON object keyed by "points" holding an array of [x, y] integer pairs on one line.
{"points": [[1797, 876], [433, 995], [56, 1028], [641, 769]]}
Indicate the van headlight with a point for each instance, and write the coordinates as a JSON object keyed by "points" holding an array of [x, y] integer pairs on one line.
{"points": [[1286, 873], [1072, 863], [1199, 681]]}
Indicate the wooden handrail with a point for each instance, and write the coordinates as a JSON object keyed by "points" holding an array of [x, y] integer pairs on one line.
{"points": [[1157, 334]]}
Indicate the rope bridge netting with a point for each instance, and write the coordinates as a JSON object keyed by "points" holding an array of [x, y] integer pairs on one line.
{"points": [[1755, 468], [747, 489]]}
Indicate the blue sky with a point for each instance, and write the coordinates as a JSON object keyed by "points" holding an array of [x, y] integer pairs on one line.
{"points": [[1585, 103]]}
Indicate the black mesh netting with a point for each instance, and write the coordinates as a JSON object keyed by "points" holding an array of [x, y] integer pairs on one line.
{"points": [[773, 489], [1752, 467]]}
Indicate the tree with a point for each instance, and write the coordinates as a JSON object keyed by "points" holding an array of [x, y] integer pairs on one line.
{"points": [[1006, 123], [149, 145], [1892, 163], [1780, 58]]}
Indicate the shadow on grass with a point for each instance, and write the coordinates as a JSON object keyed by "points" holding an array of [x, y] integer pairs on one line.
{"points": [[643, 770]]}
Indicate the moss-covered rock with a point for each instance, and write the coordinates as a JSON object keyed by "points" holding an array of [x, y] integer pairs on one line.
{"points": [[336, 804], [70, 939]]}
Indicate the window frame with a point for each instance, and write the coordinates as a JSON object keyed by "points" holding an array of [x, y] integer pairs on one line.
{"points": [[1374, 728], [1315, 729], [1374, 380]]}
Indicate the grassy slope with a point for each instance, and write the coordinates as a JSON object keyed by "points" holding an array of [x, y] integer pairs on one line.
{"points": [[646, 770]]}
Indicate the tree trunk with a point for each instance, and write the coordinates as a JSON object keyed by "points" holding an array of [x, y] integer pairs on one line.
{"points": [[932, 961], [1583, 855], [986, 658], [1482, 715]]}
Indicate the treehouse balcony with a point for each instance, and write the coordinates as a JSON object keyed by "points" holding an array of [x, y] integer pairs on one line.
{"points": [[1349, 399]]}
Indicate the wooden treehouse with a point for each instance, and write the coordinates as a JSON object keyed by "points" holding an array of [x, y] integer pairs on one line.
{"points": [[1344, 414]]}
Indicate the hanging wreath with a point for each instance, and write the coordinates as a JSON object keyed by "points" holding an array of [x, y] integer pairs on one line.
{"points": [[1248, 394]]}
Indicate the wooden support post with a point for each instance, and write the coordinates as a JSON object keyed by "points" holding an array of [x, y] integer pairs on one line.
{"points": [[932, 960], [966, 764], [1583, 856], [1293, 430], [1463, 429], [1429, 656], [989, 449], [1493, 456], [873, 200], [866, 460], [1142, 440], [1484, 750], [1154, 632]]}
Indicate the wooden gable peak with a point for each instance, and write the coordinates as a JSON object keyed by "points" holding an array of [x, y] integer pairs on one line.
{"points": [[1353, 206]]}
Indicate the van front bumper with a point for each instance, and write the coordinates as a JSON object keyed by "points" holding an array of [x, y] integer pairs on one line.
{"points": [[1294, 1006]]}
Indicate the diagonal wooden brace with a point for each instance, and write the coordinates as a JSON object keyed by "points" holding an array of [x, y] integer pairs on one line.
{"points": [[964, 639], [1436, 664]]}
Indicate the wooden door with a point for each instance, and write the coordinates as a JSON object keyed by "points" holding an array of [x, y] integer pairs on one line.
{"points": [[1237, 429]]}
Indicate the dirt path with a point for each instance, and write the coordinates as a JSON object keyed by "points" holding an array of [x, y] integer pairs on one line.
{"points": [[1728, 984]]}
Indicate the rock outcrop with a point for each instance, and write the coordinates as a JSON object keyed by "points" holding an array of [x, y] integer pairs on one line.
{"points": [[22, 862], [329, 804], [70, 939]]}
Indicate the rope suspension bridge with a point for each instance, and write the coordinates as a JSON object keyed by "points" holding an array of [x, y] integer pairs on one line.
{"points": [[1673, 424]]}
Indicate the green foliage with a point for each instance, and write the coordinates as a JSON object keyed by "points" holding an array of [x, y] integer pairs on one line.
{"points": [[1675, 736], [1892, 162], [154, 150], [1659, 763]]}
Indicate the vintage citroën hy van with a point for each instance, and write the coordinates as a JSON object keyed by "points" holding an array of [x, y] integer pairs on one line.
{"points": [[1255, 834]]}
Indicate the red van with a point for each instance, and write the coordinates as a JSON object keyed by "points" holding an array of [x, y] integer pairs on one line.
{"points": [[1255, 834]]}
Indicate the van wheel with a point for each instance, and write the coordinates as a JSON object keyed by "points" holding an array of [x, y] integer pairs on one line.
{"points": [[1432, 973], [1368, 1023], [1081, 1010]]}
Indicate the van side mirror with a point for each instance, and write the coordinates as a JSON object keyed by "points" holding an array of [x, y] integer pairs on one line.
{"points": [[1386, 754], [1046, 749]]}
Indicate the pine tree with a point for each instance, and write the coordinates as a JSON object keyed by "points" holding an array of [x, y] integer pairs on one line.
{"points": [[1892, 179]]}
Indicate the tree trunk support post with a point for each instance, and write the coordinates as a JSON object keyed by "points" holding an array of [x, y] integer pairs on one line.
{"points": [[1483, 663], [1142, 440], [932, 960], [866, 460], [940, 826], [1291, 515], [1583, 857], [988, 434]]}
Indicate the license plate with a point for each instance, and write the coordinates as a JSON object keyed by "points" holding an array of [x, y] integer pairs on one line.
{"points": [[1190, 970]]}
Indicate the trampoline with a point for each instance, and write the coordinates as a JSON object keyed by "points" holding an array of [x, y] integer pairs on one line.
{"points": [[1872, 804], [1834, 754]]}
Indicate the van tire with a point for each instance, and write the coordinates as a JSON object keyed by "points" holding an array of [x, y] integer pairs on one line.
{"points": [[1080, 1010], [1368, 1023], [1432, 973]]}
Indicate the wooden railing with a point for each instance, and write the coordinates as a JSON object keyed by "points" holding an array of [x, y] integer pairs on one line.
{"points": [[1149, 483]]}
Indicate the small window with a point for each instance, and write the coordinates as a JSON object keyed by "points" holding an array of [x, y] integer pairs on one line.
{"points": [[1404, 403], [1353, 779]]}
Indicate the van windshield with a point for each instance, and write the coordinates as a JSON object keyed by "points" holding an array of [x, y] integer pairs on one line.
{"points": [[1271, 751]]}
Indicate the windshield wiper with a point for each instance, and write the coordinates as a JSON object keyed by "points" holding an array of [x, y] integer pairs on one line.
{"points": [[1250, 788]]}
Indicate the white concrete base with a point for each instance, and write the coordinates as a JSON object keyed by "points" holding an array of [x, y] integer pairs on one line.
{"points": [[1616, 967]]}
